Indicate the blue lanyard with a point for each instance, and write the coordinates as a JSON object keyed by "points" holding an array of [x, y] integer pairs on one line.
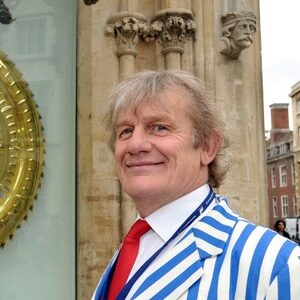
{"points": [[207, 201]]}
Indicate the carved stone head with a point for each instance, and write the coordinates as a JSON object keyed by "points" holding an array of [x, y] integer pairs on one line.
{"points": [[130, 24], [238, 31]]}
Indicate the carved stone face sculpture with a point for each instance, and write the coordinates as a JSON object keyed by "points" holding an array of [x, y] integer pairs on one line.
{"points": [[130, 25], [237, 33], [242, 33]]}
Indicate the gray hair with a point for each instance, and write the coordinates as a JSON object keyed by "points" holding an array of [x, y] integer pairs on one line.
{"points": [[149, 86]]}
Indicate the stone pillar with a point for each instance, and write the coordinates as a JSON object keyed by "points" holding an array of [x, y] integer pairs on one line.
{"points": [[128, 5], [173, 27], [170, 3], [126, 27]]}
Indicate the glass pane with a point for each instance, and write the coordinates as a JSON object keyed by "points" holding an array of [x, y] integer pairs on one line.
{"points": [[39, 262]]}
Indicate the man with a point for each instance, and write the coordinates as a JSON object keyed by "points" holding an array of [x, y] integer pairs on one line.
{"points": [[169, 145]]}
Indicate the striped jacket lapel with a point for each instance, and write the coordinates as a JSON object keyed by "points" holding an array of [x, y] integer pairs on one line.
{"points": [[182, 266], [102, 287]]}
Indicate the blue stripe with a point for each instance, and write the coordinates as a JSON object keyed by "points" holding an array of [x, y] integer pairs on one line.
{"points": [[213, 289], [209, 238], [235, 260], [203, 254], [216, 224], [222, 211], [284, 284], [102, 288], [171, 264], [256, 263], [281, 270], [193, 291], [282, 257], [176, 282]]}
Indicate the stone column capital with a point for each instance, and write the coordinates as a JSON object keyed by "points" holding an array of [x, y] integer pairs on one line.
{"points": [[172, 28], [127, 27]]}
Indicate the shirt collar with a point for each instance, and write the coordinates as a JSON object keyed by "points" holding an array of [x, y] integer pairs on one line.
{"points": [[168, 218]]}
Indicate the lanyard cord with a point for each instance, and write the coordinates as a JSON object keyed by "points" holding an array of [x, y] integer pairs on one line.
{"points": [[203, 206]]}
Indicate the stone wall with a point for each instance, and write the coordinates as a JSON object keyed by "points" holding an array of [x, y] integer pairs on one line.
{"points": [[116, 38]]}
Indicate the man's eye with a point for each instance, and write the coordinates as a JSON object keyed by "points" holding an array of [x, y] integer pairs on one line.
{"points": [[160, 128], [125, 133]]}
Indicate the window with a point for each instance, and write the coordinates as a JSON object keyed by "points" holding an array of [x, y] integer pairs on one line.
{"points": [[284, 206], [275, 213], [298, 106], [273, 177], [282, 149], [293, 172], [295, 205], [31, 36], [283, 176]]}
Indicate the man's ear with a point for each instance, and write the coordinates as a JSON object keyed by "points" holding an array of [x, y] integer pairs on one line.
{"points": [[210, 148]]}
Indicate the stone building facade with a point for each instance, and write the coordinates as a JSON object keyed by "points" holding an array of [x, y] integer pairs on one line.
{"points": [[280, 166], [295, 100], [219, 42]]}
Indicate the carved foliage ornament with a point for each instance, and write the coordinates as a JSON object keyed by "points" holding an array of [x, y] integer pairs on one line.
{"points": [[173, 29], [237, 33], [22, 149], [127, 30]]}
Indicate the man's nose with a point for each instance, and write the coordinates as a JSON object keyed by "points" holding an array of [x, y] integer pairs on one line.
{"points": [[139, 141]]}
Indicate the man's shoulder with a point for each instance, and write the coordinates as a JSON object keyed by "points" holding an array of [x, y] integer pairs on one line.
{"points": [[246, 234]]}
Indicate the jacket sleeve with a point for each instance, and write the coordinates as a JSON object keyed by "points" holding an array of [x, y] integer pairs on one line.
{"points": [[286, 284]]}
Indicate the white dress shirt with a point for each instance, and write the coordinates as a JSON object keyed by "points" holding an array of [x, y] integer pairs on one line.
{"points": [[165, 221]]}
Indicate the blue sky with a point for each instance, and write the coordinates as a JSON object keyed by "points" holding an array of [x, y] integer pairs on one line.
{"points": [[280, 26]]}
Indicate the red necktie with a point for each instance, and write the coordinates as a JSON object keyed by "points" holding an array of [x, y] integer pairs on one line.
{"points": [[127, 256]]}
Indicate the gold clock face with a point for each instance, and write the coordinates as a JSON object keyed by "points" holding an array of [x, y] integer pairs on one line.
{"points": [[22, 149], [3, 151]]}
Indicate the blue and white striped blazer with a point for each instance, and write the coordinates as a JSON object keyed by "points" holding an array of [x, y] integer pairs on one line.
{"points": [[221, 257]]}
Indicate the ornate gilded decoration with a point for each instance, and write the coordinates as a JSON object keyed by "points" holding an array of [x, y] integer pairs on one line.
{"points": [[237, 33], [127, 27], [173, 28], [22, 149]]}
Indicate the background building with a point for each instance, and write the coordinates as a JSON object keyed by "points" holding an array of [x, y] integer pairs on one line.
{"points": [[280, 166], [295, 99]]}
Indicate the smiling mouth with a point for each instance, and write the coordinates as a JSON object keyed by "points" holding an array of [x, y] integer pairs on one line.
{"points": [[142, 164]]}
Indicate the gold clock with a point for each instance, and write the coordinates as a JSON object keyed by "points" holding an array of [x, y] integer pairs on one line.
{"points": [[22, 149]]}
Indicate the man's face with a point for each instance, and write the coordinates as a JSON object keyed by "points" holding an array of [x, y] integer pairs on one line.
{"points": [[243, 32], [156, 161]]}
